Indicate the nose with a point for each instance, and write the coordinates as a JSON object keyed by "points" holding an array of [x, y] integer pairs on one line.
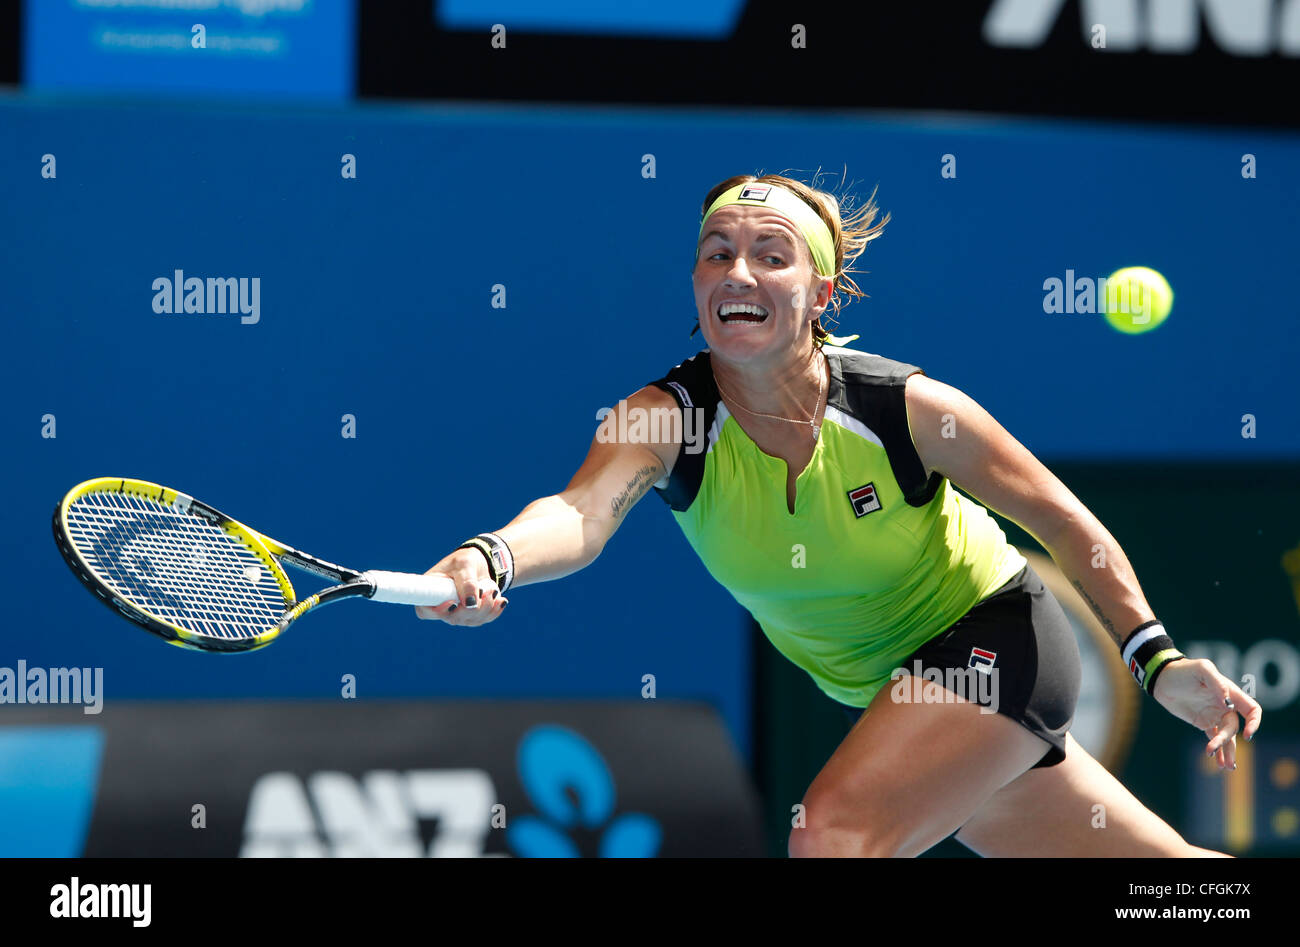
{"points": [[738, 273]]}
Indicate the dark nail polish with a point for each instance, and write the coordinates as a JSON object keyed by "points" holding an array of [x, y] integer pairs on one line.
{"points": [[450, 610], [471, 602]]}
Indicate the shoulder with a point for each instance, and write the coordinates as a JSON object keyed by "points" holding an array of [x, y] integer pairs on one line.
{"points": [[690, 388], [867, 368], [690, 383], [949, 428], [867, 386], [691, 372], [874, 391], [929, 399]]}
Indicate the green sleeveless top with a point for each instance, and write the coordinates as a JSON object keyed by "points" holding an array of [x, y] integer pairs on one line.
{"points": [[876, 559]]}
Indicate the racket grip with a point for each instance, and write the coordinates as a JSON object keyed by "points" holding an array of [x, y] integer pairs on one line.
{"points": [[407, 588]]}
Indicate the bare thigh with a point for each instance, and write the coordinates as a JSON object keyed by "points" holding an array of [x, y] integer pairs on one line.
{"points": [[1074, 809], [909, 774]]}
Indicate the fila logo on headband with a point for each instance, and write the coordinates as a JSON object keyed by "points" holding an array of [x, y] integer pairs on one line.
{"points": [[864, 500], [755, 192]]}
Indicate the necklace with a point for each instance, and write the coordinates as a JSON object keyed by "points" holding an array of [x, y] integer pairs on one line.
{"points": [[811, 422]]}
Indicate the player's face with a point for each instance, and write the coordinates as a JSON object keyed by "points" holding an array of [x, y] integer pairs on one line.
{"points": [[750, 255]]}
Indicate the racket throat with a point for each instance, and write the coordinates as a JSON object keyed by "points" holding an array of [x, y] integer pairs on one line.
{"points": [[293, 612], [354, 589]]}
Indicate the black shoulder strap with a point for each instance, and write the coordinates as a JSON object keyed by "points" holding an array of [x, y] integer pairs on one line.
{"points": [[691, 383], [873, 390]]}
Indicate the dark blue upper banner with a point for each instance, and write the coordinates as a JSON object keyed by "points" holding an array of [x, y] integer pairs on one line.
{"points": [[687, 19], [1207, 61], [289, 49], [1210, 61]]}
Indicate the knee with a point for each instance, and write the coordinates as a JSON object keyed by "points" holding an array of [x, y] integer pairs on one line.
{"points": [[827, 832], [842, 842]]}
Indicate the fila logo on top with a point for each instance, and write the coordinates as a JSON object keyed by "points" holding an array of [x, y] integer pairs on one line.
{"points": [[864, 500], [755, 192]]}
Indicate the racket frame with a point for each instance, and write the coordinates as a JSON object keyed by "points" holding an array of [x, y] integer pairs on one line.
{"points": [[269, 552]]}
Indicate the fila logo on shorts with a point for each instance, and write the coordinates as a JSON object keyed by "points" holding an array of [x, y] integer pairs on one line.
{"points": [[982, 660], [755, 192], [864, 500]]}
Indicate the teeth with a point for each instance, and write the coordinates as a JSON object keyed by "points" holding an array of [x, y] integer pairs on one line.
{"points": [[729, 309]]}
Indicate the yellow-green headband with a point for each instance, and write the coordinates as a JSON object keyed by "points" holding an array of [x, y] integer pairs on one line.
{"points": [[815, 232]]}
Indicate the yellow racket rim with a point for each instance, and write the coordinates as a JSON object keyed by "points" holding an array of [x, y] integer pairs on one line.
{"points": [[257, 544]]}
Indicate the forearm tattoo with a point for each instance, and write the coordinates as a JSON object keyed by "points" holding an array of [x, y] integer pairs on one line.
{"points": [[1096, 609]]}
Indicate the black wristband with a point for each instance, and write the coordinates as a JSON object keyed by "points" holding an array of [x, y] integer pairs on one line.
{"points": [[1147, 651], [482, 547], [500, 560]]}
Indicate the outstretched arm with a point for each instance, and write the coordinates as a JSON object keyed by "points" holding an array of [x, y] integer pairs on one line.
{"points": [[998, 471], [557, 535]]}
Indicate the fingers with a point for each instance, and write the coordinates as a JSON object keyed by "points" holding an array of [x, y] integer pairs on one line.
{"points": [[478, 599], [479, 603], [1248, 707], [1232, 701], [1223, 736], [428, 612], [470, 590], [1223, 742], [1213, 706], [1226, 754], [1222, 710], [487, 605]]}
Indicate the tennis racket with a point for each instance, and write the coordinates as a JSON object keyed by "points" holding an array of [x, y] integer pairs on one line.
{"points": [[194, 576]]}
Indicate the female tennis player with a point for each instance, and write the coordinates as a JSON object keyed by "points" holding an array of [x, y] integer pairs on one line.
{"points": [[825, 504]]}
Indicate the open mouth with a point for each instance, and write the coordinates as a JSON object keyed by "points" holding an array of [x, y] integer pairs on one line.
{"points": [[742, 314]]}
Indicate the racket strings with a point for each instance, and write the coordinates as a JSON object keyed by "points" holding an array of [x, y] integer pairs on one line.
{"points": [[175, 565]]}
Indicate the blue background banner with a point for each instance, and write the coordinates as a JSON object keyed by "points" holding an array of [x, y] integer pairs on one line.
{"points": [[376, 302], [301, 50]]}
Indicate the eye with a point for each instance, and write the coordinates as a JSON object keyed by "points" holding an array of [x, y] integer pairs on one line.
{"points": [[776, 260]]}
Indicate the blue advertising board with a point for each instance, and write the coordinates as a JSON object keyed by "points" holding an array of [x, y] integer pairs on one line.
{"points": [[298, 50]]}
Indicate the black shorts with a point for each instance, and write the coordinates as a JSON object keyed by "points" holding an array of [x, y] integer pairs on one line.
{"points": [[1022, 632]]}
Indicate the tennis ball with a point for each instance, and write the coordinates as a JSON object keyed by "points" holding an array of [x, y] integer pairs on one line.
{"points": [[1137, 299]]}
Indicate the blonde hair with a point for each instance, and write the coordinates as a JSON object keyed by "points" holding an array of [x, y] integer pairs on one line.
{"points": [[851, 234]]}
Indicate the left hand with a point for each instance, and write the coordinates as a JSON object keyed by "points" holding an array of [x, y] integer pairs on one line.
{"points": [[1193, 690]]}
